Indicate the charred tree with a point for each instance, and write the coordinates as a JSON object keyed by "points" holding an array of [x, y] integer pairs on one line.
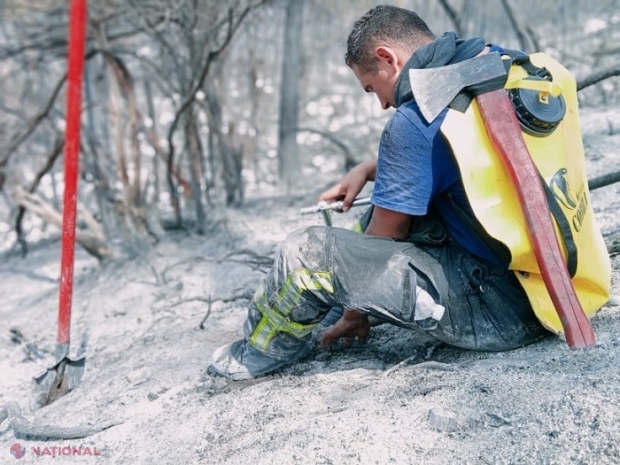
{"points": [[289, 93]]}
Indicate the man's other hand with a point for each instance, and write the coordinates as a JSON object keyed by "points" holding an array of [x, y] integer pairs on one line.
{"points": [[351, 184], [350, 326]]}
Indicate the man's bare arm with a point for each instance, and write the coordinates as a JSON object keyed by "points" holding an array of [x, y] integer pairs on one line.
{"points": [[388, 223]]}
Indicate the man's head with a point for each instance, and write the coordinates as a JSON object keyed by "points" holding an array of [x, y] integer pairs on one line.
{"points": [[380, 44]]}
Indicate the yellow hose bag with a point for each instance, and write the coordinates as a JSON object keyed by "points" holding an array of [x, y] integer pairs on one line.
{"points": [[560, 159]]}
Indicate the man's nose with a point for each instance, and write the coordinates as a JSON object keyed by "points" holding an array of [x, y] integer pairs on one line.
{"points": [[384, 103]]}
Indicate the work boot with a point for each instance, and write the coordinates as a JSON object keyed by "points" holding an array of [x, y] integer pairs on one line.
{"points": [[238, 361]]}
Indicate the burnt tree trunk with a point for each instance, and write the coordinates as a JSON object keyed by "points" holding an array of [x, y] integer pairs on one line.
{"points": [[195, 169], [289, 93]]}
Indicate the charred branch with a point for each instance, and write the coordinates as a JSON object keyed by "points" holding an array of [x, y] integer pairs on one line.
{"points": [[598, 77], [21, 211], [34, 122], [604, 180], [91, 239], [198, 84], [454, 17], [250, 258], [348, 157], [520, 31]]}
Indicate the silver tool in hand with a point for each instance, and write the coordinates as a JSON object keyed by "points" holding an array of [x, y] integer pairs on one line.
{"points": [[325, 208]]}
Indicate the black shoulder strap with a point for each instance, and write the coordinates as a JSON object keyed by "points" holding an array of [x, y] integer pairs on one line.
{"points": [[522, 59], [462, 101], [564, 225], [502, 252]]}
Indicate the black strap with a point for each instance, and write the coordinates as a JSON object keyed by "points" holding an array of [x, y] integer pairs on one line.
{"points": [[500, 249], [565, 229], [522, 59], [462, 101]]}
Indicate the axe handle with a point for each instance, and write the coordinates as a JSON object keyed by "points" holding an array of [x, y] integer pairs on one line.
{"points": [[504, 132]]}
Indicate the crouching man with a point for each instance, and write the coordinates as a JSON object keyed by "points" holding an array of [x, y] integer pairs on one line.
{"points": [[425, 260]]}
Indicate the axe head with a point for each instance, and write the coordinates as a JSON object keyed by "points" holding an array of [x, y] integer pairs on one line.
{"points": [[435, 88]]}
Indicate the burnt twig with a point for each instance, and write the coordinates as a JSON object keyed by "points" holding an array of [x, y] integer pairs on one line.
{"points": [[597, 77], [603, 180], [202, 322], [255, 260], [23, 429]]}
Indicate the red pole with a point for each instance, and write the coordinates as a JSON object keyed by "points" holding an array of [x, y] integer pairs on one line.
{"points": [[77, 36]]}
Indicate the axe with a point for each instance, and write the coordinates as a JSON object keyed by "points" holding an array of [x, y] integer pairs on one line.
{"points": [[434, 89], [504, 131]]}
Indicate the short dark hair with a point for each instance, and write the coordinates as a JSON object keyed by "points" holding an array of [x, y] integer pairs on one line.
{"points": [[384, 23]]}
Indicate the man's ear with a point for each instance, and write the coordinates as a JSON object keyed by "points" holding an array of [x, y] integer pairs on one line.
{"points": [[388, 58], [386, 55]]}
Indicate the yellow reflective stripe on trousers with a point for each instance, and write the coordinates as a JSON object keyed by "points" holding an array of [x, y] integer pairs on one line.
{"points": [[275, 317], [357, 227]]}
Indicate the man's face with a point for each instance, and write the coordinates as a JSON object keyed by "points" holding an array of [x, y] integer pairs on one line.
{"points": [[380, 83], [390, 61]]}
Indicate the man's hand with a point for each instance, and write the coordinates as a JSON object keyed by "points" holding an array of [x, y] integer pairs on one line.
{"points": [[351, 184], [351, 325]]}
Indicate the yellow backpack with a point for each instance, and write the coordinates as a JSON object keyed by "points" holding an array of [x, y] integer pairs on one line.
{"points": [[560, 160]]}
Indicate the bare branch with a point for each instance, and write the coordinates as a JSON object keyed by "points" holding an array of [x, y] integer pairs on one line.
{"points": [[533, 38], [604, 180], [454, 17], [198, 84], [519, 30], [598, 77], [255, 260], [334, 140], [49, 163], [34, 122], [89, 240], [210, 300]]}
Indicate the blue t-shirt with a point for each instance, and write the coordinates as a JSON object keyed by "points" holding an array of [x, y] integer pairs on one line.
{"points": [[416, 168]]}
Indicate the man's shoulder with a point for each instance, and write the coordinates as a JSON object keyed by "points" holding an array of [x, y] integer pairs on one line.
{"points": [[409, 110], [409, 115]]}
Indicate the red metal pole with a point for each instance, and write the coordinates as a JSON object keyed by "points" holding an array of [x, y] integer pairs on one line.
{"points": [[77, 36]]}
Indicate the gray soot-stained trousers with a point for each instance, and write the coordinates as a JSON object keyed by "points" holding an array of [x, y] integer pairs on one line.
{"points": [[435, 287]]}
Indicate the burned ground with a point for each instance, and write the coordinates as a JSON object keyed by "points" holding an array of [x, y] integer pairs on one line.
{"points": [[146, 358]]}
